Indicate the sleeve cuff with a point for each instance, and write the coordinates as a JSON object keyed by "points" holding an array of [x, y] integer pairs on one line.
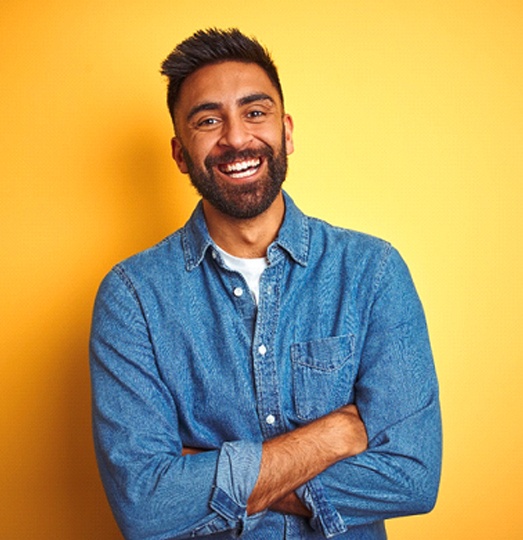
{"points": [[325, 517], [236, 475]]}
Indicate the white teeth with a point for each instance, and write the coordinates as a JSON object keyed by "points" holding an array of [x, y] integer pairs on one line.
{"points": [[241, 169], [242, 165], [242, 174]]}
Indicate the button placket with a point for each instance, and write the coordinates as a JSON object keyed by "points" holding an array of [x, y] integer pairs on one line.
{"points": [[265, 369]]}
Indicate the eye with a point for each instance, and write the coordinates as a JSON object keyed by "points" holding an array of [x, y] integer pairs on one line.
{"points": [[256, 114], [207, 122]]}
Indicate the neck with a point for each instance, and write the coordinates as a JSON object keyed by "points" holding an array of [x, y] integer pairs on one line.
{"points": [[247, 238]]}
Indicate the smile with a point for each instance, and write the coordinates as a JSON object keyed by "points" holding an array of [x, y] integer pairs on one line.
{"points": [[241, 169]]}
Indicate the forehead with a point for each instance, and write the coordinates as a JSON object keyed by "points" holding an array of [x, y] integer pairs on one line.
{"points": [[225, 83]]}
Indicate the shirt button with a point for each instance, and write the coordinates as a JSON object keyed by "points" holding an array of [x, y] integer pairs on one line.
{"points": [[238, 291], [262, 349], [270, 419]]}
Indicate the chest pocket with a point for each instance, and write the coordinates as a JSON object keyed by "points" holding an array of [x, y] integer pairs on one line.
{"points": [[323, 373]]}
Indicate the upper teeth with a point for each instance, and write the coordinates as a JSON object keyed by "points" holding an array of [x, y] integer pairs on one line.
{"points": [[242, 165]]}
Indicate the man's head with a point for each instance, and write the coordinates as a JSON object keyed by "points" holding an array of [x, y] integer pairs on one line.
{"points": [[232, 134], [213, 46]]}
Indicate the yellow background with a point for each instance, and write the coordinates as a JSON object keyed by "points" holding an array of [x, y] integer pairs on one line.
{"points": [[409, 126]]}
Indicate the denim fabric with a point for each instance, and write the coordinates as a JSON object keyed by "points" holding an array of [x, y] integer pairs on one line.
{"points": [[181, 356]]}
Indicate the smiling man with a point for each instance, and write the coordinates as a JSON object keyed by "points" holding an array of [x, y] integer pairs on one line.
{"points": [[233, 137], [230, 119], [259, 373]]}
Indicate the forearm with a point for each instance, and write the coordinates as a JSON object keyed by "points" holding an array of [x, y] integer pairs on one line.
{"points": [[289, 504], [290, 460]]}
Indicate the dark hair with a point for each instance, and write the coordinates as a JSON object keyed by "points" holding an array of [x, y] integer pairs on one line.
{"points": [[213, 46]]}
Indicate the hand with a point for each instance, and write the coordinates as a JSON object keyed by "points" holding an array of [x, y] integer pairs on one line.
{"points": [[186, 450], [290, 504], [355, 439]]}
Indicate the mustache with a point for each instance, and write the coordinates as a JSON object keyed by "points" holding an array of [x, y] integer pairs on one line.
{"points": [[237, 155]]}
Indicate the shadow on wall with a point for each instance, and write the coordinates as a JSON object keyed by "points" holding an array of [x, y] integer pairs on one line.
{"points": [[146, 200], [89, 515], [151, 197], [52, 481]]}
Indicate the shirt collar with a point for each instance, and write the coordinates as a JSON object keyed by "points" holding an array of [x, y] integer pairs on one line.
{"points": [[293, 236]]}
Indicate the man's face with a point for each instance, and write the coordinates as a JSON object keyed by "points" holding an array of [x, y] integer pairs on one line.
{"points": [[233, 137]]}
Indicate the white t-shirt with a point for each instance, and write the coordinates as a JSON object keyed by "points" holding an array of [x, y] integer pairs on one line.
{"points": [[250, 269]]}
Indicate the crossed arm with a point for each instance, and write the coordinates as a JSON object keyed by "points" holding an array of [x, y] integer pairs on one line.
{"points": [[292, 459], [138, 445]]}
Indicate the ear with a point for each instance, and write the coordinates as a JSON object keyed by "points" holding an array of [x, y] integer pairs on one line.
{"points": [[176, 148], [288, 126]]}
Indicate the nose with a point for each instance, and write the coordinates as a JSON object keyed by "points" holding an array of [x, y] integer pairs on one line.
{"points": [[235, 133]]}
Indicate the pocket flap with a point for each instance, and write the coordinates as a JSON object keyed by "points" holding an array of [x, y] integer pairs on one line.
{"points": [[328, 354]]}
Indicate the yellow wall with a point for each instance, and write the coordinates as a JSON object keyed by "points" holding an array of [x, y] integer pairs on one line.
{"points": [[409, 125]]}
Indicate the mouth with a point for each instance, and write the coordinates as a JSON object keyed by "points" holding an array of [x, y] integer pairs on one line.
{"points": [[241, 169]]}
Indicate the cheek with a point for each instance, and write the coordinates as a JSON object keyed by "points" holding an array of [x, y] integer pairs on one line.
{"points": [[201, 147], [272, 137]]}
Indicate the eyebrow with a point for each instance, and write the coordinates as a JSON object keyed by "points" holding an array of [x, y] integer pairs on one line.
{"points": [[216, 105], [251, 98]]}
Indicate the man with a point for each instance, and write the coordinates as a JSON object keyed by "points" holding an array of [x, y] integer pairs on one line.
{"points": [[258, 373]]}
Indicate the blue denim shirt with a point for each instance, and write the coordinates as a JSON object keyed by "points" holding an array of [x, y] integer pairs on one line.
{"points": [[182, 356]]}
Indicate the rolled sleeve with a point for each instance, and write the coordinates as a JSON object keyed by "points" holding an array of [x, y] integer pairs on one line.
{"points": [[154, 491], [236, 474], [325, 517]]}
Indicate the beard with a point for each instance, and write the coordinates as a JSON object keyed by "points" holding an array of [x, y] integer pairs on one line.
{"points": [[240, 201]]}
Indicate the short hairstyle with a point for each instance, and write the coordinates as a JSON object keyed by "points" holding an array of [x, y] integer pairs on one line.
{"points": [[213, 46]]}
